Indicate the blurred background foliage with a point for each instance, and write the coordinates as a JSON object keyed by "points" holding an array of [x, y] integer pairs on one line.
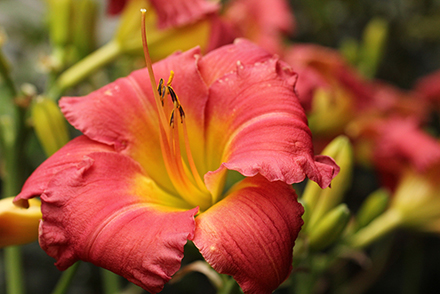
{"points": [[412, 51]]}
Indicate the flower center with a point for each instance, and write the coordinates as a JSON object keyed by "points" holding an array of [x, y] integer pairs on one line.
{"points": [[174, 141]]}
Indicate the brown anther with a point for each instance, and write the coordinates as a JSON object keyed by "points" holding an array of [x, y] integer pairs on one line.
{"points": [[172, 119], [173, 96]]}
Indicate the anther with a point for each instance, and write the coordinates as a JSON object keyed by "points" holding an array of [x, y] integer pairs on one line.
{"points": [[161, 90], [172, 119], [173, 96]]}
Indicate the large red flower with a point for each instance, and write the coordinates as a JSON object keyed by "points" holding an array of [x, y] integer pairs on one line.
{"points": [[140, 183]]}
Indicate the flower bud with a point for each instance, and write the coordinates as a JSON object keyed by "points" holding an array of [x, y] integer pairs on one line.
{"points": [[417, 198], [329, 228], [18, 225], [332, 110], [162, 42], [320, 201], [371, 51], [50, 125], [83, 27], [373, 206]]}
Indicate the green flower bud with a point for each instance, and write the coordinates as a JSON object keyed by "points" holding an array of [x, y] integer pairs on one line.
{"points": [[373, 206], [371, 51], [320, 201], [83, 27], [50, 125], [329, 228]]}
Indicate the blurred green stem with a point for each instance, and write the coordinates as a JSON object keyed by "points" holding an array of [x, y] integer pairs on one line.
{"points": [[13, 270], [4, 72], [12, 135], [85, 68], [110, 281], [230, 287], [65, 280]]}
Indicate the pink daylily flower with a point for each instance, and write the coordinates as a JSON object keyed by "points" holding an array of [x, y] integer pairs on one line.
{"points": [[323, 67], [129, 193], [264, 22], [400, 143], [429, 87]]}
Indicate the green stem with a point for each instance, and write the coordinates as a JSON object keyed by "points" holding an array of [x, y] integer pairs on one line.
{"points": [[379, 227], [65, 280], [4, 72], [12, 135], [231, 287], [110, 281], [84, 68], [13, 270]]}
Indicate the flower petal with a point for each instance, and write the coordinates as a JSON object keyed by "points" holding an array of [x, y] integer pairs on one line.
{"points": [[402, 143], [18, 225], [174, 13], [250, 234], [124, 114], [217, 63], [70, 154], [264, 22], [255, 124], [102, 213]]}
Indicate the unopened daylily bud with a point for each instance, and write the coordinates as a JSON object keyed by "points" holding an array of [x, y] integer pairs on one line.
{"points": [[18, 225], [59, 18], [50, 125], [373, 206], [83, 27], [332, 109], [415, 204], [329, 228], [417, 198], [320, 201], [349, 48], [162, 41], [372, 49]]}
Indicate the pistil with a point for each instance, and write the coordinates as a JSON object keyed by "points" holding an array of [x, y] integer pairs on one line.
{"points": [[186, 180]]}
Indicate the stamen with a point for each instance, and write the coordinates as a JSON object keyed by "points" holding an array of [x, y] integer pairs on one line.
{"points": [[187, 181], [161, 90]]}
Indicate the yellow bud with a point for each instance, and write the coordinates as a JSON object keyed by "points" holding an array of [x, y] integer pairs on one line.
{"points": [[329, 228], [18, 225], [50, 125]]}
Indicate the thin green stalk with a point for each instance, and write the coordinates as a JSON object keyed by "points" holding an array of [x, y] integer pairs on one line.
{"points": [[84, 68], [13, 270], [110, 281], [65, 280]]}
